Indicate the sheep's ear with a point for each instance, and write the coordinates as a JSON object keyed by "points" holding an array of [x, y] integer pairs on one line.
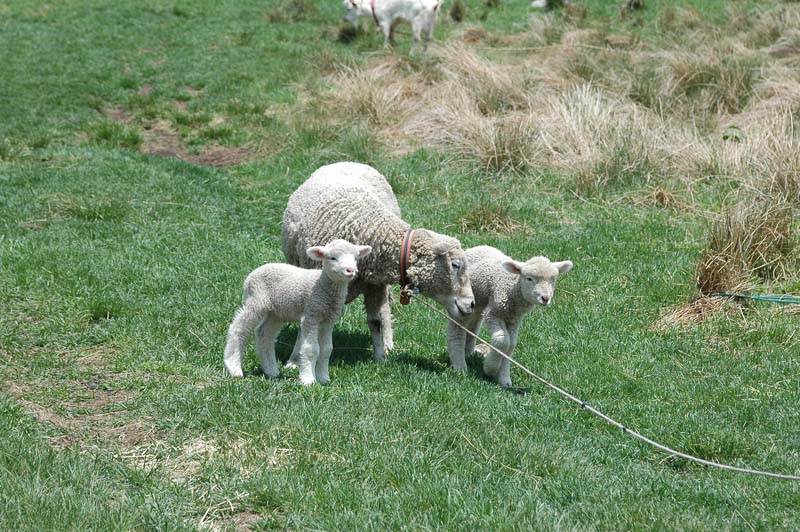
{"points": [[317, 253], [512, 266], [563, 266], [363, 251], [444, 244]]}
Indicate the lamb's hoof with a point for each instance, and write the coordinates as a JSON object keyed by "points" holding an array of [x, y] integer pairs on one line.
{"points": [[272, 374], [324, 381], [290, 364], [460, 368], [308, 382], [504, 383], [483, 350], [379, 357], [236, 373]]}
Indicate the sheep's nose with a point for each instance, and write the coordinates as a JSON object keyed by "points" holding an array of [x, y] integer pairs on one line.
{"points": [[545, 300], [350, 271], [472, 305]]}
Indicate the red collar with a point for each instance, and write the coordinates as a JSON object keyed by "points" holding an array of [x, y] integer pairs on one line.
{"points": [[405, 249]]}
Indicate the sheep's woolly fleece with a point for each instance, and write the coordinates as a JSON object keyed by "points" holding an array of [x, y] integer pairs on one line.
{"points": [[354, 202]]}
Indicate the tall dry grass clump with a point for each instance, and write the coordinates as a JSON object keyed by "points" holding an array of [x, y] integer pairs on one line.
{"points": [[495, 88], [753, 239]]}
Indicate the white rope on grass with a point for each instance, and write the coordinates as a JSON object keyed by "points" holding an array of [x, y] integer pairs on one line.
{"points": [[601, 415]]}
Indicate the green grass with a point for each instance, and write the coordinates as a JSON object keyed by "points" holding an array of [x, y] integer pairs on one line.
{"points": [[120, 271]]}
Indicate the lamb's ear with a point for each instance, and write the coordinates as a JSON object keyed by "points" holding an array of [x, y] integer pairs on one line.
{"points": [[363, 251], [512, 266], [317, 253], [563, 266]]}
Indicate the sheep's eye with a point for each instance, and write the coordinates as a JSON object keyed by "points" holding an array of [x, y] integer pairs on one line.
{"points": [[332, 258], [530, 279], [455, 265]]}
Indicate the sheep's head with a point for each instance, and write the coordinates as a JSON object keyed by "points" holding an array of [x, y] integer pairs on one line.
{"points": [[440, 272], [339, 259], [351, 12], [537, 277]]}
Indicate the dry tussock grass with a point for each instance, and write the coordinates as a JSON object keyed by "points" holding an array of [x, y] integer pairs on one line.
{"points": [[752, 238], [702, 103], [691, 313]]}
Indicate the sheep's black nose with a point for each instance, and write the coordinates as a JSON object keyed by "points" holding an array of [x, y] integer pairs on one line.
{"points": [[472, 305], [545, 299]]}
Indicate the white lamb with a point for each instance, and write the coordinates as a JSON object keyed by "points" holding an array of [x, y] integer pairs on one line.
{"points": [[505, 291], [388, 13], [278, 293]]}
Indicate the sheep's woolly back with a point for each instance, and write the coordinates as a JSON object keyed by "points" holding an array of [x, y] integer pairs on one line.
{"points": [[354, 202]]}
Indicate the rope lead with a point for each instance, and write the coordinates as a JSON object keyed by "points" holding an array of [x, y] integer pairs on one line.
{"points": [[601, 415]]}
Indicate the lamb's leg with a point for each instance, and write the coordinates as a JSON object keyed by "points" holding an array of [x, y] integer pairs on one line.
{"points": [[294, 358], [244, 322], [265, 341], [325, 347], [501, 340], [428, 35], [386, 28], [504, 373], [309, 351], [475, 327], [415, 32], [455, 346], [375, 297]]}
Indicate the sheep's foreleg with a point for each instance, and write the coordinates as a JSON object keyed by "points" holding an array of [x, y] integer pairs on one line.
{"points": [[375, 297]]}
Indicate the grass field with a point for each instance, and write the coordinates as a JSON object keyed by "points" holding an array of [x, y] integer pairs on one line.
{"points": [[147, 150]]}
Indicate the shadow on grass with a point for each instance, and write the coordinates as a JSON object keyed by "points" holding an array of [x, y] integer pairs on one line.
{"points": [[440, 364], [349, 348]]}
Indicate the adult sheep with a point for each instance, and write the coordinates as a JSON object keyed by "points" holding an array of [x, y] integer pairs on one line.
{"points": [[354, 202]]}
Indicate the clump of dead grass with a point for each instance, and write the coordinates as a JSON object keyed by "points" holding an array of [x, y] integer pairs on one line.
{"points": [[494, 87], [751, 239], [691, 313]]}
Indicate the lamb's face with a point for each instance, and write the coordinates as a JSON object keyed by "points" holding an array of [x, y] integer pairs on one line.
{"points": [[339, 259], [351, 12], [537, 278]]}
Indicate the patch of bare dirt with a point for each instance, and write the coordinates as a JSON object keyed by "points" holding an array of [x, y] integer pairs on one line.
{"points": [[162, 140], [117, 114], [89, 415], [244, 520], [220, 156]]}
